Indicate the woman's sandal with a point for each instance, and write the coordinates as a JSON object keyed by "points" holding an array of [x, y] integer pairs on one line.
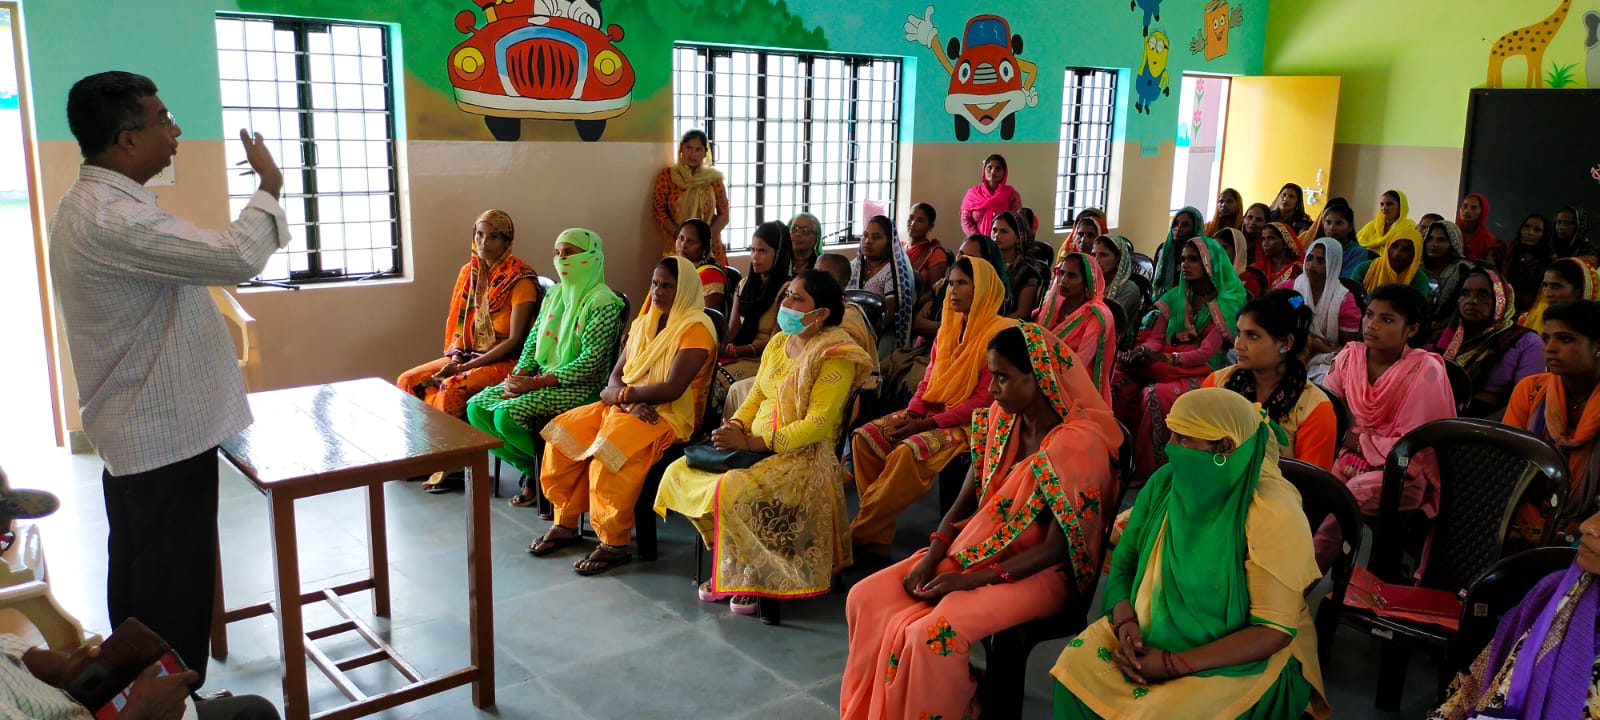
{"points": [[704, 591], [522, 500], [745, 604], [603, 558], [549, 542]]}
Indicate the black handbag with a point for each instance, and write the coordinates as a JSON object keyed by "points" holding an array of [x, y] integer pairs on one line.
{"points": [[705, 456]]}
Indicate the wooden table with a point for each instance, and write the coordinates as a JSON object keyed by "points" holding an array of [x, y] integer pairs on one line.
{"points": [[320, 439]]}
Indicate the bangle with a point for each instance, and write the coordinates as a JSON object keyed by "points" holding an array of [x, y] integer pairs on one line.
{"points": [[1117, 626], [1187, 668], [1166, 664], [1001, 571], [622, 397], [736, 422], [941, 537]]}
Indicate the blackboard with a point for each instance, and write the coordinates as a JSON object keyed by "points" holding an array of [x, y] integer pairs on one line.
{"points": [[1532, 151]]}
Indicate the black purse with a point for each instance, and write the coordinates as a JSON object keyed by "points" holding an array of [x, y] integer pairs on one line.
{"points": [[705, 456]]}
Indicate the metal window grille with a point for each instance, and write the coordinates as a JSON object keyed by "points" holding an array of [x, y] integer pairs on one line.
{"points": [[1083, 167], [321, 94], [793, 132]]}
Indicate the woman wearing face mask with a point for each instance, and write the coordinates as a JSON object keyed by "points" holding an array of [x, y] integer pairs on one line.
{"points": [[805, 234], [1077, 313], [1487, 342], [794, 412], [1338, 221], [1185, 226], [694, 245], [881, 266], [1473, 219], [1527, 259], [929, 258], [898, 456], [691, 188], [988, 198], [1335, 317], [1230, 212], [1567, 279], [596, 456], [1280, 254], [1289, 208], [564, 363], [1398, 264], [755, 308], [1571, 236], [1391, 222]]}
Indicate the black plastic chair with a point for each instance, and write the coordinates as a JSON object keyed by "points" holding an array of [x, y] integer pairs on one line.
{"points": [[730, 288], [1343, 420], [1144, 266], [1460, 385], [1323, 495], [1357, 290], [1007, 651], [1486, 470], [1496, 593], [1119, 320], [872, 304], [1147, 299]]}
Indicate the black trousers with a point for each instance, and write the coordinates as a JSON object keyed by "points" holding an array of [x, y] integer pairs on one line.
{"points": [[162, 548]]}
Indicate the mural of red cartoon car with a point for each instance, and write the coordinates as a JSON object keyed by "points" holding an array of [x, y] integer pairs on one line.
{"points": [[989, 84], [529, 63]]}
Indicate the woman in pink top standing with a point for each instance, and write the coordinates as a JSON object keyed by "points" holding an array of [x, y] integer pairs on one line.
{"points": [[988, 198]]}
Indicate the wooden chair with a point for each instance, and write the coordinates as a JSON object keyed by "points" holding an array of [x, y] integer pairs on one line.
{"points": [[1323, 495]]}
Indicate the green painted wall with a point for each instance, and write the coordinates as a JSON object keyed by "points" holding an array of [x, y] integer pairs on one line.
{"points": [[1408, 65]]}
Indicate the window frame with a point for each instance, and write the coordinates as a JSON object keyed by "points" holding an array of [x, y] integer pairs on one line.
{"points": [[1071, 196]]}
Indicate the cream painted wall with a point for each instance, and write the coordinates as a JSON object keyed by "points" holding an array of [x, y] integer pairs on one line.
{"points": [[1429, 176]]}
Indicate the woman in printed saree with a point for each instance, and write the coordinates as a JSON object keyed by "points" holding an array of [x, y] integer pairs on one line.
{"points": [[1570, 235], [1274, 332], [1567, 279], [1399, 263], [1193, 324], [1113, 255], [563, 365], [1207, 617], [1281, 252], [491, 310], [1527, 259], [1289, 208], [1444, 265], [1393, 218], [1472, 216], [1544, 660], [755, 308], [881, 266], [805, 235], [929, 258], [1487, 342], [1075, 310], [988, 198], [898, 456], [1025, 274], [694, 245], [1185, 225], [777, 528], [1335, 317], [1022, 538], [691, 188], [1230, 212], [596, 456], [1562, 407]]}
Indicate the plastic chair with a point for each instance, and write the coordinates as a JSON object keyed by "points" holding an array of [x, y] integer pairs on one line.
{"points": [[730, 288], [1357, 290], [1007, 651], [871, 303], [1323, 495], [1144, 266], [1486, 470], [1460, 385], [1496, 593], [1119, 318], [248, 344], [25, 590], [1343, 420]]}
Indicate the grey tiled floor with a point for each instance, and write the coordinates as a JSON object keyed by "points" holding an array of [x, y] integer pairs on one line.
{"points": [[633, 643]]}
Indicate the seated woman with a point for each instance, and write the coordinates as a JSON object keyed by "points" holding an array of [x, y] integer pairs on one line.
{"points": [[904, 367], [1114, 256], [491, 310], [1335, 317], [898, 456], [1075, 310], [929, 258], [1207, 616], [1487, 342], [1024, 275], [1233, 243], [1185, 225], [1472, 216], [1338, 221], [881, 267], [1544, 656], [1570, 235], [1194, 323], [691, 188], [1562, 406], [1274, 332], [1397, 264], [693, 246], [1526, 260], [1022, 538], [794, 412], [563, 365], [1281, 251], [1085, 231], [1567, 279], [990, 197], [805, 234], [755, 308], [1254, 221], [1230, 212], [1444, 265], [1289, 208], [596, 456], [1392, 220]]}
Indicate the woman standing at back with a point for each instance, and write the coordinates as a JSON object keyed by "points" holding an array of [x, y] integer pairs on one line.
{"points": [[691, 188], [990, 197]]}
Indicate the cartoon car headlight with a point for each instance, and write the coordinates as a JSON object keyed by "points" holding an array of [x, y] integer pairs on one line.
{"points": [[468, 63], [608, 67]]}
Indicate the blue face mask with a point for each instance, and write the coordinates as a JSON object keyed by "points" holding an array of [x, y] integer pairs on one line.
{"points": [[791, 321]]}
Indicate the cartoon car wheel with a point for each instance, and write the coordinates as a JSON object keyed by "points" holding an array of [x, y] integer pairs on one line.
{"points": [[504, 128], [1008, 127], [590, 130], [963, 128]]}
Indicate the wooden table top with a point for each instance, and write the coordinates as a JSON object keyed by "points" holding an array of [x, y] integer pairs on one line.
{"points": [[325, 432]]}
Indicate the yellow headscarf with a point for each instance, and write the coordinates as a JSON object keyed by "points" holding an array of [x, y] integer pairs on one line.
{"points": [[1379, 273], [961, 349], [1372, 235], [650, 353]]}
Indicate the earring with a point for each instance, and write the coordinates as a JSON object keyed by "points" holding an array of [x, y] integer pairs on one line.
{"points": [[1218, 459], [1283, 351]]}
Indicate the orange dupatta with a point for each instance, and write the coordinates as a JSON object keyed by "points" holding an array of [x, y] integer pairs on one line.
{"points": [[464, 327], [961, 349]]}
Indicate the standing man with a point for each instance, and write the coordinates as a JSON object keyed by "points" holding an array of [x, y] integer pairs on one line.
{"points": [[158, 384]]}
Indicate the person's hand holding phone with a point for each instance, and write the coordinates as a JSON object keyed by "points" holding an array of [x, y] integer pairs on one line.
{"points": [[158, 697]]}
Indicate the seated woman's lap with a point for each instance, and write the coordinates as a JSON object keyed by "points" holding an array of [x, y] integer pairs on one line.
{"points": [[975, 614]]}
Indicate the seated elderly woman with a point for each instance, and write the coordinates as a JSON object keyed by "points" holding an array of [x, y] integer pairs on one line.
{"points": [[1487, 342], [1187, 630], [776, 528], [693, 244], [491, 310], [1022, 538], [596, 456], [563, 364], [1542, 661]]}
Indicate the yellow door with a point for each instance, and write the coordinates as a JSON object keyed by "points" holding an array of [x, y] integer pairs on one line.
{"points": [[1280, 130]]}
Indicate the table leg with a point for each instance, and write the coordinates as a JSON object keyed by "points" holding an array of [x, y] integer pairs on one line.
{"points": [[219, 613], [286, 564], [480, 596], [378, 549]]}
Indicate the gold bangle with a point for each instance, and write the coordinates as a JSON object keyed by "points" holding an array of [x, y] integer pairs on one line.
{"points": [[623, 396], [736, 422]]}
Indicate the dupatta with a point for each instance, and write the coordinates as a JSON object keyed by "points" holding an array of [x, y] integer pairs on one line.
{"points": [[904, 287], [1168, 255], [482, 290], [1325, 313], [1292, 247], [1380, 272], [1573, 437], [961, 348], [987, 201], [650, 353], [1553, 671], [1222, 312], [1483, 246], [1414, 390], [1589, 290], [1072, 243], [581, 291], [1090, 329], [1372, 235], [1478, 355]]}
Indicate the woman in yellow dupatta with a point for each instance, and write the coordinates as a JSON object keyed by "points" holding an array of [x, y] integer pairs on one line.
{"points": [[1567, 279], [1393, 218], [1400, 262], [1189, 634], [596, 456], [777, 528], [1022, 538], [691, 188], [898, 456]]}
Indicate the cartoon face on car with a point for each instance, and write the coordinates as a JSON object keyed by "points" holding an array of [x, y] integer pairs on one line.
{"points": [[540, 59], [986, 82]]}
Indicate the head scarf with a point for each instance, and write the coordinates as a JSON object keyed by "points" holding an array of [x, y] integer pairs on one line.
{"points": [[650, 353], [1234, 238], [1168, 256], [1090, 329], [905, 292], [1072, 241], [485, 287], [699, 198], [1324, 314], [989, 202], [1578, 244], [1483, 244], [1222, 312], [961, 348], [1372, 235], [1380, 272], [1476, 355], [1554, 626], [1589, 289], [581, 290], [757, 293], [1215, 225], [1453, 231], [1202, 503], [1292, 246], [1124, 250]]}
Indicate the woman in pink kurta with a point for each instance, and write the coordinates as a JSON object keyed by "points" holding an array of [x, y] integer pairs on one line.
{"points": [[990, 197], [1021, 540]]}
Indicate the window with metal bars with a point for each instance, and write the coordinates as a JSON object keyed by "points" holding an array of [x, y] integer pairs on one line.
{"points": [[1083, 165], [321, 95], [793, 132]]}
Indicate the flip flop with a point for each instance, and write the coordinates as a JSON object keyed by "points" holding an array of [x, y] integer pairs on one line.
{"points": [[613, 559], [546, 544], [521, 501]]}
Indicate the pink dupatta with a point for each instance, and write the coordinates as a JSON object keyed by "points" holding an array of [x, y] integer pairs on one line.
{"points": [[1413, 391], [1089, 330], [987, 203]]}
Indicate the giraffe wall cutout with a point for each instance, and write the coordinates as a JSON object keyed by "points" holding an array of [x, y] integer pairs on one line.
{"points": [[1529, 42]]}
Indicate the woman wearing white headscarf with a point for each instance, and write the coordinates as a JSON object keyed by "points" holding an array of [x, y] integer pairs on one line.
{"points": [[1335, 318]]}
